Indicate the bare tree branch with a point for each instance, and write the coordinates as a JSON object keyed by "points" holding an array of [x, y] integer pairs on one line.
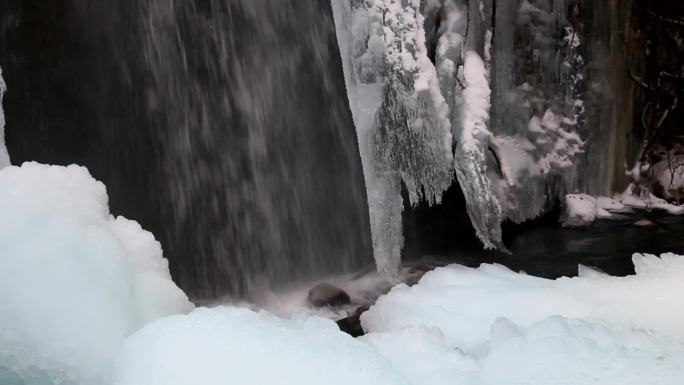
{"points": [[666, 19]]}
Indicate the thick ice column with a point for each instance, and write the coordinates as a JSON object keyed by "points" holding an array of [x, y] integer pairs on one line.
{"points": [[401, 117], [471, 154], [4, 155]]}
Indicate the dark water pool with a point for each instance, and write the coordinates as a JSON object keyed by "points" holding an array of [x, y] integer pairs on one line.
{"points": [[543, 248]]}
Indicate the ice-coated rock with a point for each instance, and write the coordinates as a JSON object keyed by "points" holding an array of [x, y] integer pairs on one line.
{"points": [[579, 210]]}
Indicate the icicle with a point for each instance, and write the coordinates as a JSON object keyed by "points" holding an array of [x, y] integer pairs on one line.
{"points": [[401, 117]]}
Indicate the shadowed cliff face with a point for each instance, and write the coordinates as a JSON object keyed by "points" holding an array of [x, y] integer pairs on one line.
{"points": [[222, 126]]}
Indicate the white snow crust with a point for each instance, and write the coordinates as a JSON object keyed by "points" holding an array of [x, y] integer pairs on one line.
{"points": [[228, 345], [491, 325]]}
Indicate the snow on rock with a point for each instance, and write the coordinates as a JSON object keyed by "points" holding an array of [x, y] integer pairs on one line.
{"points": [[238, 346], [491, 325], [580, 210], [4, 156], [640, 198], [74, 281]]}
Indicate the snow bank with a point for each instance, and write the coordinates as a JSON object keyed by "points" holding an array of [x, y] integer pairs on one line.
{"points": [[582, 209], [74, 281], [238, 346], [4, 156], [491, 325], [556, 350], [647, 201], [464, 302]]}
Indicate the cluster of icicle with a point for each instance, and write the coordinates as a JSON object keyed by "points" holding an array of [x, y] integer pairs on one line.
{"points": [[418, 76]]}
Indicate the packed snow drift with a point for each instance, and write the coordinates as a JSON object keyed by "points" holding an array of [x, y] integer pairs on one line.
{"points": [[491, 325], [74, 280], [238, 346]]}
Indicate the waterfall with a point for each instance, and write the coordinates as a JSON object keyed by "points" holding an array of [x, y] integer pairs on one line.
{"points": [[221, 125], [4, 156]]}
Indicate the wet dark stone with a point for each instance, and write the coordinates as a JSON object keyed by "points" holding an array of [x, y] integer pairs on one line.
{"points": [[326, 294]]}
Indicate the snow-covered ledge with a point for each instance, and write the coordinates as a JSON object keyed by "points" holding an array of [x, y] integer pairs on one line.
{"points": [[581, 210]]}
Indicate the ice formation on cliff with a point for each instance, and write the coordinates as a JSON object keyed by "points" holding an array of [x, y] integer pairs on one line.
{"points": [[422, 78]]}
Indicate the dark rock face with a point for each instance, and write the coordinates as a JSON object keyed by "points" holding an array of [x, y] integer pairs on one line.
{"points": [[326, 294], [221, 125]]}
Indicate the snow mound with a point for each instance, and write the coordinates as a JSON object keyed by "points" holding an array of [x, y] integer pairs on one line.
{"points": [[238, 346], [556, 350], [464, 302], [74, 281], [566, 351], [491, 325]]}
